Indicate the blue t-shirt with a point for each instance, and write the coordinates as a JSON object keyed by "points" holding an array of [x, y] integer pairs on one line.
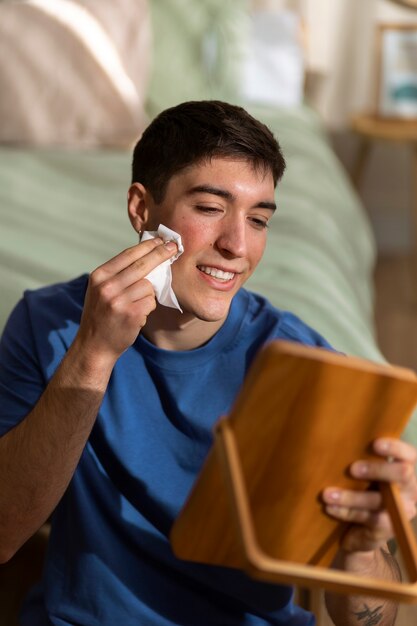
{"points": [[109, 560]]}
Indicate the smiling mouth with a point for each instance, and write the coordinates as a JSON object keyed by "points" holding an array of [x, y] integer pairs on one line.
{"points": [[216, 273]]}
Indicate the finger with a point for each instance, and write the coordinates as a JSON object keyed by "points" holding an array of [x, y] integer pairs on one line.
{"points": [[141, 309], [161, 252], [138, 269], [370, 500], [395, 449], [142, 266], [136, 292], [133, 305], [398, 471], [374, 519], [368, 529], [125, 258], [136, 314]]}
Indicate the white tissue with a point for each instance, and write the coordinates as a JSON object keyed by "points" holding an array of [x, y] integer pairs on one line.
{"points": [[161, 276]]}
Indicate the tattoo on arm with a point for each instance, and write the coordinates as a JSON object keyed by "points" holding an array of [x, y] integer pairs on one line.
{"points": [[369, 617]]}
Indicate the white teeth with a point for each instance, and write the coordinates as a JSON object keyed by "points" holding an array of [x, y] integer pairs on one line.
{"points": [[212, 271]]}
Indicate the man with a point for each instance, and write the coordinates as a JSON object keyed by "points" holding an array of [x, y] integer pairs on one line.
{"points": [[108, 399]]}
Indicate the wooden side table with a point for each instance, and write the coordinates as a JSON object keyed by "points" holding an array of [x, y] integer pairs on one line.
{"points": [[368, 128]]}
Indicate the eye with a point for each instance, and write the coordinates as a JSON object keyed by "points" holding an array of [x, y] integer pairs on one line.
{"points": [[259, 223], [208, 209]]}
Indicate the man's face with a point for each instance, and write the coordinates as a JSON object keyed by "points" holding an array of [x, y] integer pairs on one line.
{"points": [[221, 209]]}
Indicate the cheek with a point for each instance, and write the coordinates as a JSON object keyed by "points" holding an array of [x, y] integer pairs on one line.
{"points": [[195, 238], [194, 234]]}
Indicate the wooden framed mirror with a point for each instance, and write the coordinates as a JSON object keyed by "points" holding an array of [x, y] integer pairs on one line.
{"points": [[256, 504]]}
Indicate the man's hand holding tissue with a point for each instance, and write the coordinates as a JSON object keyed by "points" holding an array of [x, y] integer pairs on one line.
{"points": [[119, 298]]}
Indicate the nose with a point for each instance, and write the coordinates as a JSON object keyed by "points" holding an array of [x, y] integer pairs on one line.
{"points": [[231, 237]]}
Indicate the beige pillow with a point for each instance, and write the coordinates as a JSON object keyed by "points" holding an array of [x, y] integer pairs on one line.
{"points": [[73, 72]]}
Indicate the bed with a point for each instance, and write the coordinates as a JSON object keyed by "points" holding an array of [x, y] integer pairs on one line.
{"points": [[63, 201]]}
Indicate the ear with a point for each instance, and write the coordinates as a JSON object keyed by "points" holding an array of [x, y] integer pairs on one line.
{"points": [[138, 206]]}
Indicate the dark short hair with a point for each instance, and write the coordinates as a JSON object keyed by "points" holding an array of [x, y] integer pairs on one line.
{"points": [[195, 131]]}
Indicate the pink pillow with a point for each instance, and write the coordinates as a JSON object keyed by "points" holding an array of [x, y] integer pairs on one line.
{"points": [[73, 73]]}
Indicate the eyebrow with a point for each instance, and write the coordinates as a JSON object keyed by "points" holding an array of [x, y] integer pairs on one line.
{"points": [[227, 195]]}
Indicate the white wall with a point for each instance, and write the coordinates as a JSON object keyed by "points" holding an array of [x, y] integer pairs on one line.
{"points": [[343, 48], [341, 58], [341, 52]]}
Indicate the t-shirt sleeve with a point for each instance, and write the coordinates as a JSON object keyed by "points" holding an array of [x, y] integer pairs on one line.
{"points": [[21, 378], [294, 329]]}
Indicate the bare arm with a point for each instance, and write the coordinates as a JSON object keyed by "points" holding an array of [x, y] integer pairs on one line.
{"points": [[364, 549], [39, 456], [355, 610]]}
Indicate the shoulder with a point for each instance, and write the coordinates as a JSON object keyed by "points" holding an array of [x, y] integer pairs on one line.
{"points": [[57, 301], [293, 328], [45, 313], [273, 323], [53, 300], [39, 331], [70, 292]]}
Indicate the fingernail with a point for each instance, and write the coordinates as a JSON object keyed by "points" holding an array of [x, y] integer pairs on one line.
{"points": [[334, 495], [360, 469], [170, 245], [382, 445]]}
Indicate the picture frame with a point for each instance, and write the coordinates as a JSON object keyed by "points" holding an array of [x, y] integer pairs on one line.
{"points": [[396, 93]]}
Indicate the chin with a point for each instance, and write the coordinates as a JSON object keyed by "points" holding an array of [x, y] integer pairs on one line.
{"points": [[212, 318], [212, 312]]}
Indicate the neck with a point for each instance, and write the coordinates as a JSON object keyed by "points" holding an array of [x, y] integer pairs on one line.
{"points": [[170, 329]]}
